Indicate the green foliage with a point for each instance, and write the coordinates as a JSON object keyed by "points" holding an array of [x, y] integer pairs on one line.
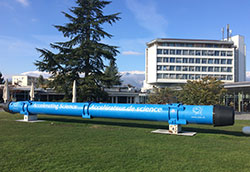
{"points": [[111, 75], [161, 96], [41, 82], [83, 52], [114, 145], [207, 91], [1, 78]]}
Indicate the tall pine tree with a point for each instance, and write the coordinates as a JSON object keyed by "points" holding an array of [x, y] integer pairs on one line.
{"points": [[83, 53], [111, 75]]}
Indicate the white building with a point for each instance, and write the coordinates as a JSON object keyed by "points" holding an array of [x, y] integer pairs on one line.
{"points": [[174, 61], [23, 80]]}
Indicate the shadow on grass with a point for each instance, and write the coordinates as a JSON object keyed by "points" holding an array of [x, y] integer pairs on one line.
{"points": [[148, 126]]}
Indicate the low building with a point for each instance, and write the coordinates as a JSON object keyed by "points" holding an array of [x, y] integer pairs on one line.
{"points": [[24, 80]]}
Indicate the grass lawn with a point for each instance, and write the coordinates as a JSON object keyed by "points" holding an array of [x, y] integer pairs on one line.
{"points": [[75, 144]]}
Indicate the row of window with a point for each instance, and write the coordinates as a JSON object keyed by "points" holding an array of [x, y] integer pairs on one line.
{"points": [[193, 60], [191, 76], [195, 52], [168, 44], [193, 68]]}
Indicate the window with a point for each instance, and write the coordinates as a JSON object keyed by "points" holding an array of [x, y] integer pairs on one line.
{"points": [[165, 51], [210, 69], [178, 52], [204, 61], [185, 76], [159, 67], [204, 69], [178, 68], [159, 51], [210, 61], [223, 77], [165, 59], [185, 60], [191, 60], [204, 52], [165, 76], [191, 76], [172, 51], [163, 44], [190, 45], [216, 53], [191, 68], [159, 59], [159, 75], [198, 60], [172, 60], [223, 69], [178, 76], [229, 77], [197, 76], [229, 61], [210, 53], [216, 69], [172, 68], [197, 68], [229, 69], [198, 52], [223, 61], [164, 68], [229, 53], [185, 52], [223, 53], [191, 52], [185, 68], [217, 61], [178, 60], [172, 76], [171, 44]]}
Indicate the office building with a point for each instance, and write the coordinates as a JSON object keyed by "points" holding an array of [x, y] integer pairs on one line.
{"points": [[171, 62]]}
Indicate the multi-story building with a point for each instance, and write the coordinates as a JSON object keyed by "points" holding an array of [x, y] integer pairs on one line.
{"points": [[24, 80], [174, 61]]}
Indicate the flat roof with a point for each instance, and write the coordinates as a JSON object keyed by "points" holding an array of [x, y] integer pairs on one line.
{"points": [[209, 41], [245, 84]]}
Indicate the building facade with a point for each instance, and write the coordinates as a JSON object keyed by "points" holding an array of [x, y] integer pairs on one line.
{"points": [[24, 80], [174, 61]]}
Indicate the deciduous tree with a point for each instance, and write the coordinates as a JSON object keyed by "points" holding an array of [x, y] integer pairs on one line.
{"points": [[161, 96], [207, 91]]}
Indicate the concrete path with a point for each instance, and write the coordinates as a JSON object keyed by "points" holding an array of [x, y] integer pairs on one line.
{"points": [[242, 116]]}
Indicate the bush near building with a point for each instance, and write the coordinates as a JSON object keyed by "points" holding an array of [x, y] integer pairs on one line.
{"points": [[207, 91]]}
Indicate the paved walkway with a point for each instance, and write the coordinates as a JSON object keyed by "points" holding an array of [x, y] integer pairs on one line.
{"points": [[242, 116]]}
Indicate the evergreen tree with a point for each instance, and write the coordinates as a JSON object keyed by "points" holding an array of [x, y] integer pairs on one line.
{"points": [[111, 75], [207, 91], [1, 78], [84, 52]]}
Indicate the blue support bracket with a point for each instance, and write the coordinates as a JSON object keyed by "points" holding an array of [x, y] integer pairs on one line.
{"points": [[85, 111], [173, 113]]}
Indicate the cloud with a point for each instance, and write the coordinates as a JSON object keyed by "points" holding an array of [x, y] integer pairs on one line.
{"points": [[131, 53], [148, 17], [23, 2]]}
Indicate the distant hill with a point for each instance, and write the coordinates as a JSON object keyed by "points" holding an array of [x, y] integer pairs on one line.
{"points": [[134, 78]]}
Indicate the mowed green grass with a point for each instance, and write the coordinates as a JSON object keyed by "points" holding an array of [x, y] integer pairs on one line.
{"points": [[75, 144]]}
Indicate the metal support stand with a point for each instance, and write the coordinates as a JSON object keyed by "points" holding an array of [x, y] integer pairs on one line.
{"points": [[30, 118], [174, 130]]}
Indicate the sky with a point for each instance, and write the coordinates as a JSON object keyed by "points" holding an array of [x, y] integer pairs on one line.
{"points": [[29, 24]]}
